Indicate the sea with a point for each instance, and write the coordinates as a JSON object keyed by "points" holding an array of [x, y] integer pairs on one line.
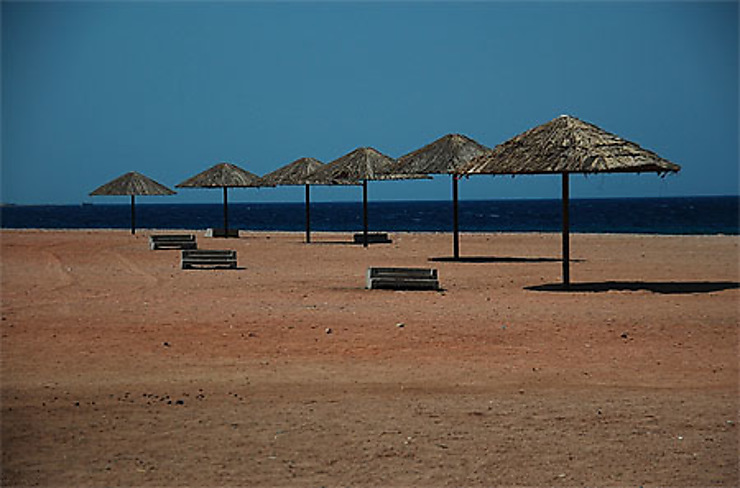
{"points": [[685, 215]]}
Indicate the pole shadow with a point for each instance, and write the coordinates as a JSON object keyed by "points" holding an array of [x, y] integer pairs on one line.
{"points": [[331, 243], [665, 287], [216, 268], [497, 259]]}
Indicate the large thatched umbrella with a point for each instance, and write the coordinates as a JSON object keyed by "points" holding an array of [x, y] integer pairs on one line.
{"points": [[132, 184], [357, 167], [446, 155], [296, 173], [563, 146], [223, 175]]}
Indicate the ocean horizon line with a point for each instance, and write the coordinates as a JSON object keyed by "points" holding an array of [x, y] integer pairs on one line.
{"points": [[371, 202]]}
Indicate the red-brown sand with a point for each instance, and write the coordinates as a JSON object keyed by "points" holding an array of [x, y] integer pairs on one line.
{"points": [[119, 368]]}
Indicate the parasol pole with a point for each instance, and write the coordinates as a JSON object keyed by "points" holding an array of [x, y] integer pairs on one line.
{"points": [[226, 212], [455, 220], [566, 231], [133, 215], [308, 213], [364, 213]]}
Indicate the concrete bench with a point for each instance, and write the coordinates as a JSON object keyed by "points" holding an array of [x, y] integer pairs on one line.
{"points": [[208, 258], [217, 232], [172, 241], [402, 279], [373, 238]]}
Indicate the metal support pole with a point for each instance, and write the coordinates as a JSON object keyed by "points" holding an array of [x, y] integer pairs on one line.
{"points": [[364, 213], [133, 214], [566, 231], [455, 220], [226, 212], [308, 213]]}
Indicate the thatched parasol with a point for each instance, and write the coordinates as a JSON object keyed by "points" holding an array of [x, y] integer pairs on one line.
{"points": [[563, 146], [132, 184], [296, 173], [446, 155], [358, 167], [223, 175]]}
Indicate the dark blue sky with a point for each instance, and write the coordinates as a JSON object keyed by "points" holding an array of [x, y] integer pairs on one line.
{"points": [[91, 90]]}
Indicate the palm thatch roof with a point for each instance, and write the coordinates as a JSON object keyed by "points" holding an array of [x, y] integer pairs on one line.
{"points": [[446, 155], [222, 175], [295, 173], [568, 145], [132, 183], [364, 163]]}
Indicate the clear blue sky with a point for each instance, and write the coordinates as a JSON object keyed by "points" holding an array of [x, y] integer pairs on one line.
{"points": [[91, 90]]}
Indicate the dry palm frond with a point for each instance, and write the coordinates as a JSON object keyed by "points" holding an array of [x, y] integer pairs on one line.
{"points": [[222, 175], [295, 173], [446, 155], [132, 183], [568, 145], [364, 163]]}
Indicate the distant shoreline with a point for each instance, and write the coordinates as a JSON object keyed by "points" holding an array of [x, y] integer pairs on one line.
{"points": [[163, 201], [644, 215], [321, 234]]}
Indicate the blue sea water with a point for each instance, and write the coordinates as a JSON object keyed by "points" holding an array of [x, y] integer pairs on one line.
{"points": [[690, 215]]}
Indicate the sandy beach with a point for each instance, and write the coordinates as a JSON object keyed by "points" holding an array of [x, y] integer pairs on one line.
{"points": [[121, 369]]}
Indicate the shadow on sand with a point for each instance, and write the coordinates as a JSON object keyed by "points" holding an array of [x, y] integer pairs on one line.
{"points": [[497, 259], [668, 287], [344, 243], [215, 268]]}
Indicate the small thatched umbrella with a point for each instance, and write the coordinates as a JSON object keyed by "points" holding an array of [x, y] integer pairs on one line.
{"points": [[223, 175], [563, 146], [132, 184], [357, 167], [446, 155], [296, 173]]}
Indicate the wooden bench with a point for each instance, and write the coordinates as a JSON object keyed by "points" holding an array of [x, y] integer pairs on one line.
{"points": [[372, 238], [172, 241], [208, 258], [402, 279]]}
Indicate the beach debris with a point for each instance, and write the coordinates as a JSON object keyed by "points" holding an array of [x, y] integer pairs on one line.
{"points": [[624, 335], [400, 325], [166, 344], [328, 330]]}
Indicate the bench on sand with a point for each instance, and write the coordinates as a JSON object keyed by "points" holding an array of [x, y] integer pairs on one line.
{"points": [[172, 241], [208, 258], [216, 232], [402, 279], [372, 238]]}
